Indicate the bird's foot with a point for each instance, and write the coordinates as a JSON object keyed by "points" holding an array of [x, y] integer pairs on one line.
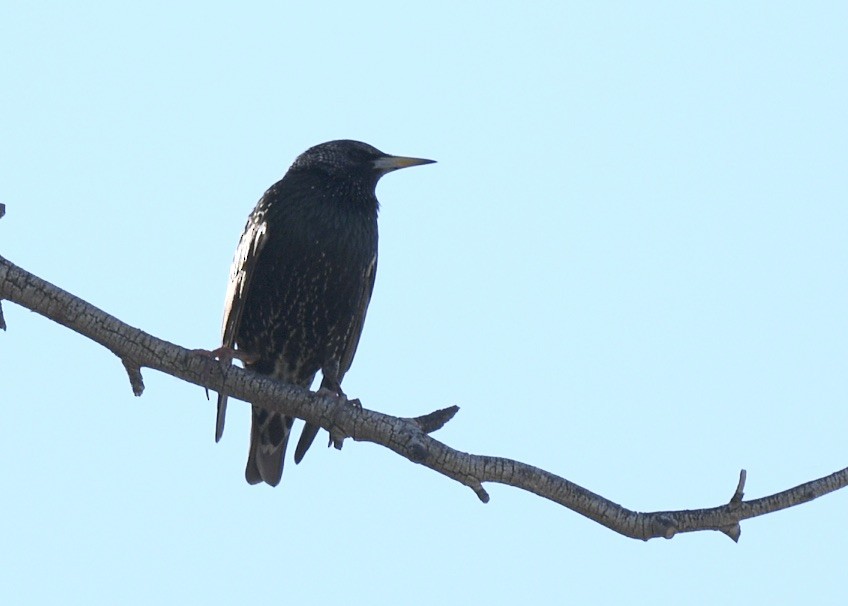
{"points": [[328, 391], [336, 440], [340, 396], [226, 355]]}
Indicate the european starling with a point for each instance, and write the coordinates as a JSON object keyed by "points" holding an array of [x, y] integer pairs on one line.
{"points": [[300, 284]]}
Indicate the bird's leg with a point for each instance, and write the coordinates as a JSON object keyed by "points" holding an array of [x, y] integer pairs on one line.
{"points": [[330, 386]]}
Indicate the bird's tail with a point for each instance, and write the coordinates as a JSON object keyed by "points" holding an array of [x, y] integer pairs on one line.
{"points": [[269, 435], [222, 415]]}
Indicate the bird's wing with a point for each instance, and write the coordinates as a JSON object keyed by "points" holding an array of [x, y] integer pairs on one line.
{"points": [[241, 273], [359, 320]]}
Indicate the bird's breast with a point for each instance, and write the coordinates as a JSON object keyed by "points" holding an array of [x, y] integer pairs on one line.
{"points": [[307, 290]]}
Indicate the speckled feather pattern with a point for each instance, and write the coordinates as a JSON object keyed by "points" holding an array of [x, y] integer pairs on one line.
{"points": [[314, 278], [301, 282]]}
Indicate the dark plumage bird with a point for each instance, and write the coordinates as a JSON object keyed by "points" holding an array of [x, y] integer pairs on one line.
{"points": [[300, 284]]}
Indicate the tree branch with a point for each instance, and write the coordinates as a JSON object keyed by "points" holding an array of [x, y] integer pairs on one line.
{"points": [[2, 320], [407, 437]]}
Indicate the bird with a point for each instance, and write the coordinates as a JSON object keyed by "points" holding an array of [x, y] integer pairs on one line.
{"points": [[300, 284]]}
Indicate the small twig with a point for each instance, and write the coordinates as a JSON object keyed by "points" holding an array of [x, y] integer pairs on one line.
{"points": [[2, 319], [481, 493], [436, 420], [734, 532], [740, 488], [134, 374]]}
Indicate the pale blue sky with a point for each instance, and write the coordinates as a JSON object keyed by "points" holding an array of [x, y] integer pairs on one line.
{"points": [[629, 267]]}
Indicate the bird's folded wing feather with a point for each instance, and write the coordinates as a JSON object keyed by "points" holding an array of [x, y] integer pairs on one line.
{"points": [[241, 273], [359, 320]]}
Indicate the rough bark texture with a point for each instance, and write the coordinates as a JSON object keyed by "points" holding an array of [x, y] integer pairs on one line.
{"points": [[407, 437]]}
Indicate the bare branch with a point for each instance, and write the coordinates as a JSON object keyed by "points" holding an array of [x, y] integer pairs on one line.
{"points": [[407, 437], [2, 320]]}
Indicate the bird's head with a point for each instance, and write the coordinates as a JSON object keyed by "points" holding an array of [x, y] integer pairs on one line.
{"points": [[352, 161]]}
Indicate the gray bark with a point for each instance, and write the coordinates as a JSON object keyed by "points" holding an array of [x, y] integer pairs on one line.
{"points": [[408, 437]]}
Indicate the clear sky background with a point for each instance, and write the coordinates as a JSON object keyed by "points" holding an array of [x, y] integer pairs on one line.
{"points": [[629, 267]]}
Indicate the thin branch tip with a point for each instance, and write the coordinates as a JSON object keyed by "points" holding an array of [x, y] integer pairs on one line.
{"points": [[2, 320], [436, 419], [734, 532], [478, 489], [134, 374], [740, 489]]}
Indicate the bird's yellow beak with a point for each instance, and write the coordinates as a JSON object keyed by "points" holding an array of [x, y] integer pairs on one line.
{"points": [[389, 163]]}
